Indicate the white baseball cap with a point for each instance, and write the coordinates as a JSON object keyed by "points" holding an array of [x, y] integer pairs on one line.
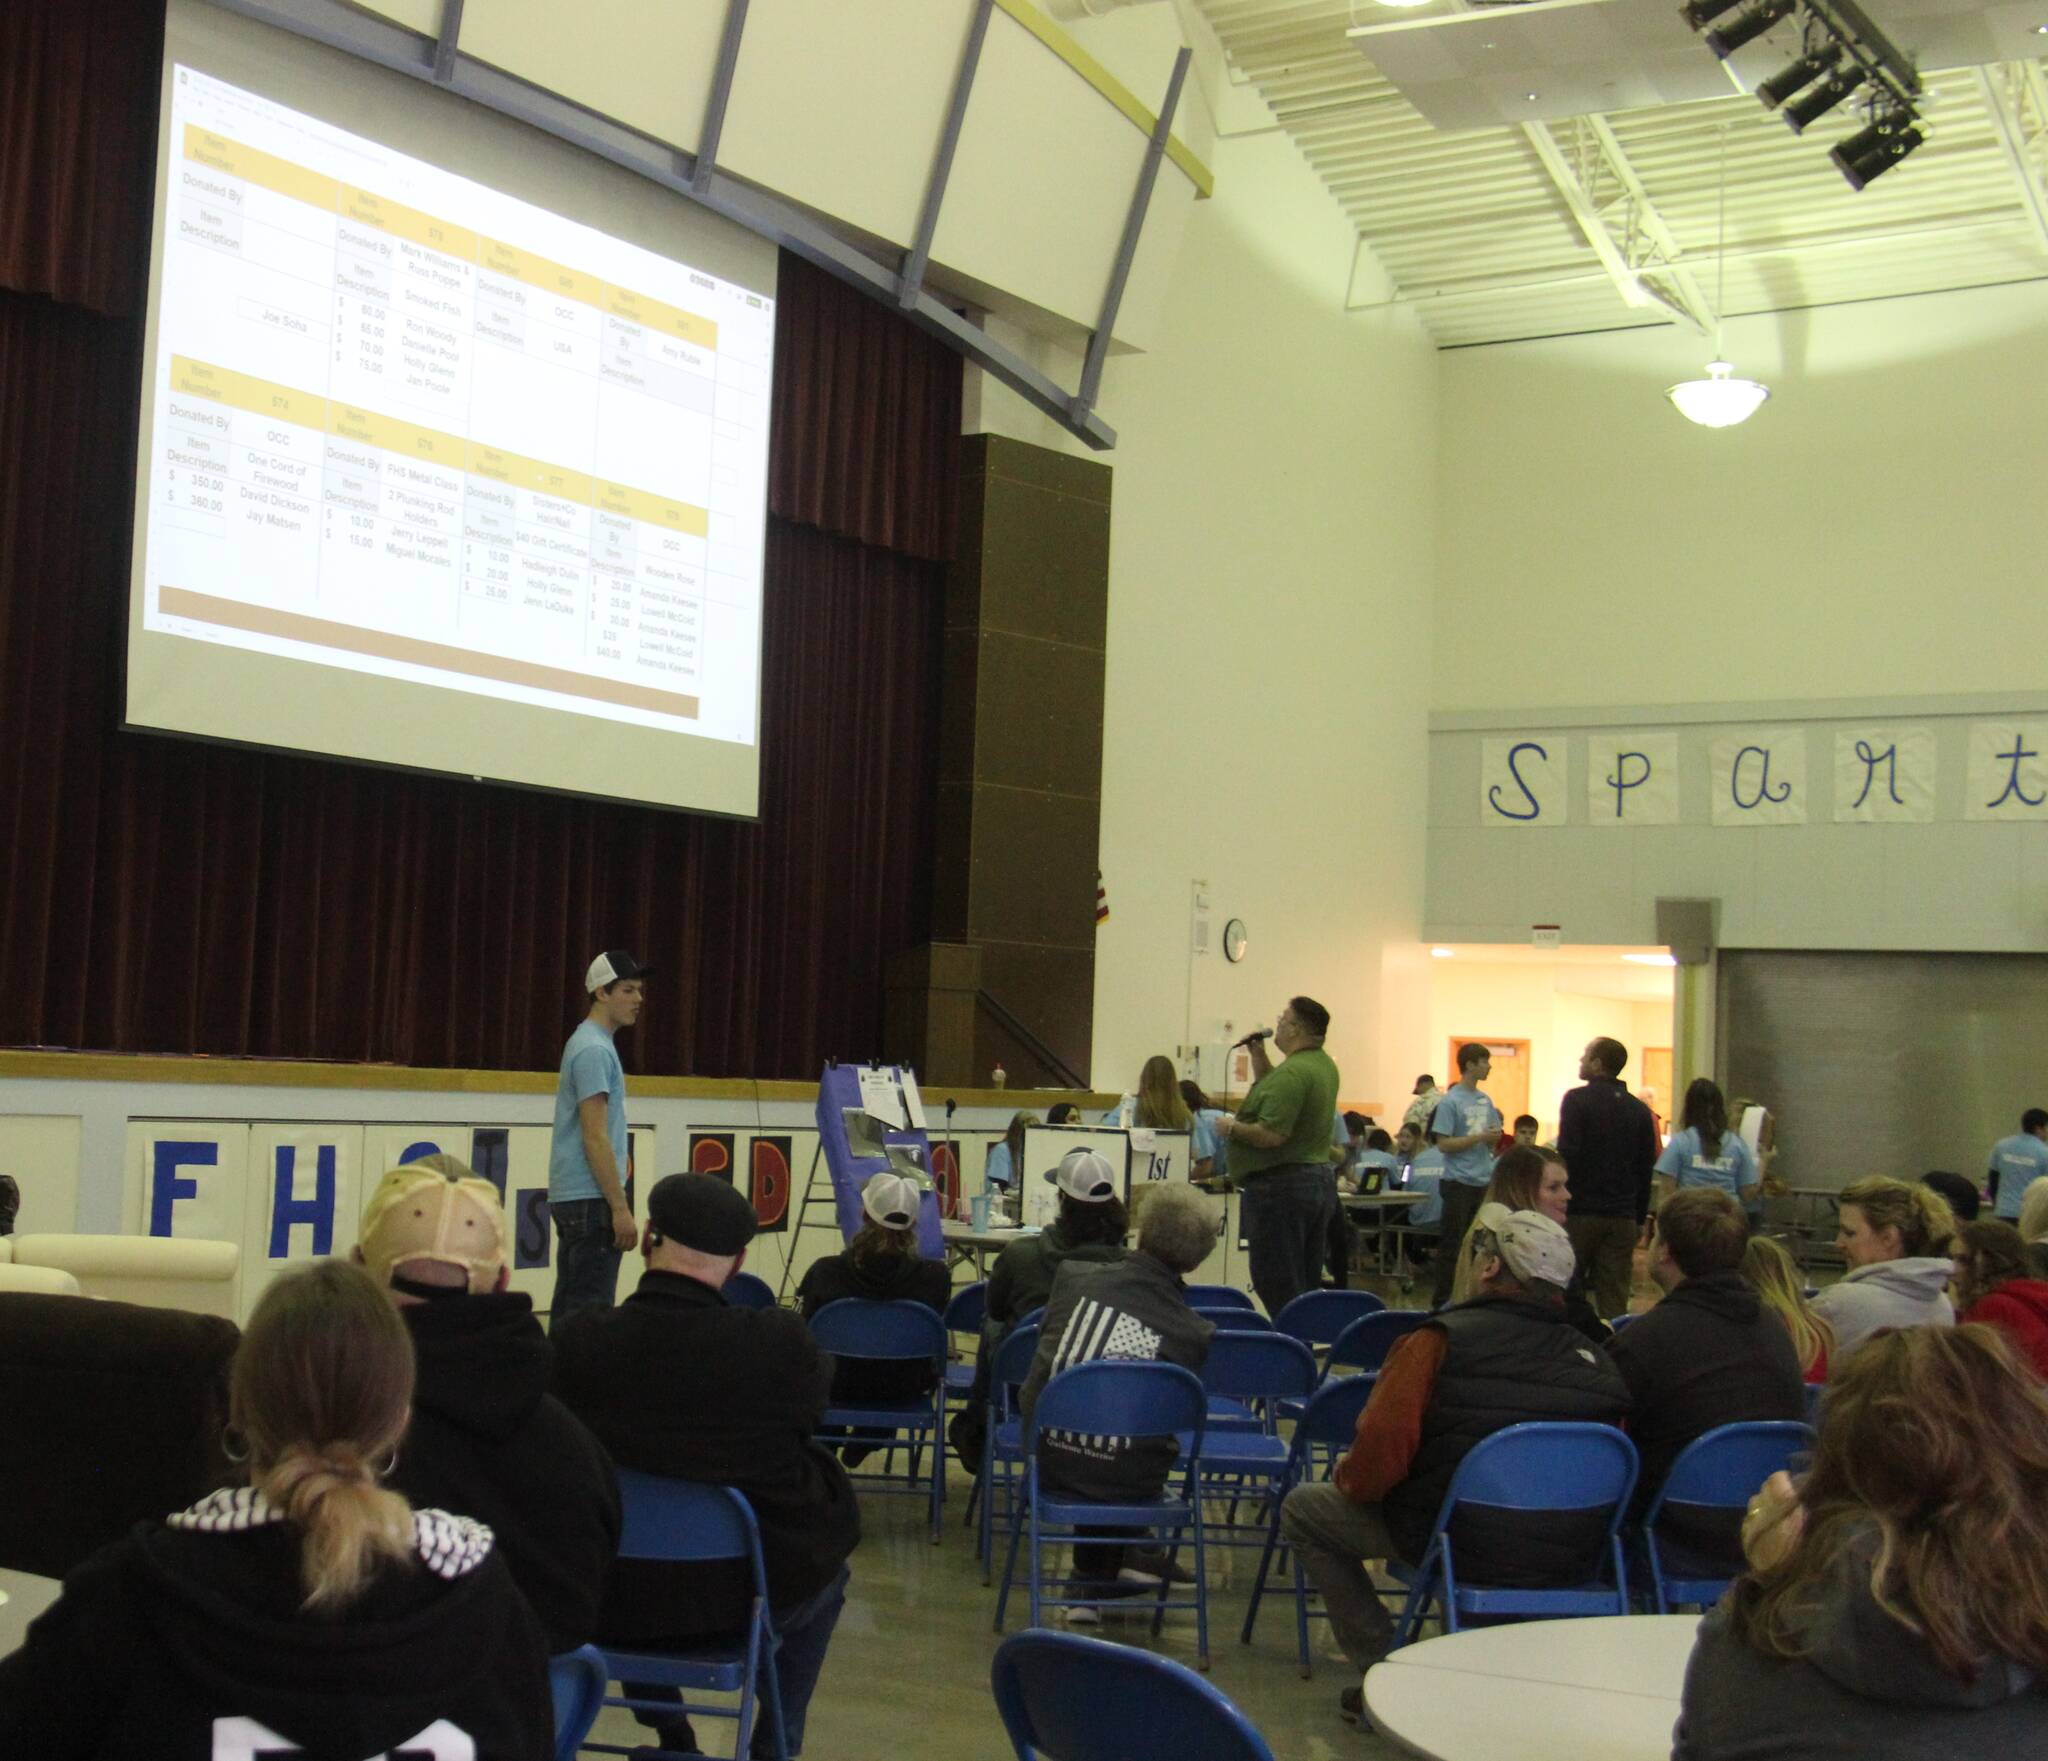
{"points": [[1084, 1175], [891, 1200], [1532, 1245]]}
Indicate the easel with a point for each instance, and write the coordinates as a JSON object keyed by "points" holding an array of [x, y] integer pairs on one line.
{"points": [[840, 1093]]}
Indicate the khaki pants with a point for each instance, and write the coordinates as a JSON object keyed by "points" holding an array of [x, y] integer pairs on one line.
{"points": [[1606, 1249], [1333, 1539]]}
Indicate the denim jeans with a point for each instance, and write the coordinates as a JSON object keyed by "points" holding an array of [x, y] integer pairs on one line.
{"points": [[1285, 1213], [586, 1262], [805, 1632]]}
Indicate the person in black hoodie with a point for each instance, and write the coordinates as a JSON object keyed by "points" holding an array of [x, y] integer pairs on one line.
{"points": [[880, 1264], [1709, 1354], [308, 1610], [487, 1438], [1609, 1141], [678, 1381]]}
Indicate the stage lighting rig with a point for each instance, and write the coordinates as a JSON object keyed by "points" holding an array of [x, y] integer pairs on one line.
{"points": [[1843, 55]]}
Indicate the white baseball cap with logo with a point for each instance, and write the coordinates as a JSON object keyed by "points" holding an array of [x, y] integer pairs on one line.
{"points": [[1084, 1175], [891, 1200], [1532, 1245]]}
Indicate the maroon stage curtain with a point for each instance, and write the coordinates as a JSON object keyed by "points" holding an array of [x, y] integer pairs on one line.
{"points": [[161, 895]]}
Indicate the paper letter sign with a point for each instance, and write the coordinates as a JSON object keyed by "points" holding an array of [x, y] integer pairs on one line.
{"points": [[1759, 778], [1522, 782], [1632, 779], [185, 1179], [1884, 774], [2008, 776]]}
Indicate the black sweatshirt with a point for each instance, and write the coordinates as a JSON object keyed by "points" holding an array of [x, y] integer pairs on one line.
{"points": [[897, 1278], [161, 1644], [488, 1440]]}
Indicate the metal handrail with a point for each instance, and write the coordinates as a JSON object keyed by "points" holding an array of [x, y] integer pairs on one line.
{"points": [[1032, 1043]]}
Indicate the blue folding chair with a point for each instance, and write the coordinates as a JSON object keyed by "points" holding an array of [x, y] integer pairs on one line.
{"points": [[1066, 1698], [1328, 1422], [744, 1291], [1536, 1470], [965, 1314], [1230, 1316], [1217, 1296], [892, 1332], [576, 1681], [1363, 1346], [1002, 1449], [1103, 1401], [1719, 1470], [678, 1521], [1318, 1317], [1257, 1371]]}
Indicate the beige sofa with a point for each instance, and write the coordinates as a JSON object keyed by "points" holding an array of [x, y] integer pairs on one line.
{"points": [[197, 1277]]}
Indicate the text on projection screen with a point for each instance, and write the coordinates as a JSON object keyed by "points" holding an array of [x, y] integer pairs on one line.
{"points": [[410, 426]]}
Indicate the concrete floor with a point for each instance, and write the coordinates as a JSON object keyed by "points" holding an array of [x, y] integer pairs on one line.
{"points": [[908, 1673]]}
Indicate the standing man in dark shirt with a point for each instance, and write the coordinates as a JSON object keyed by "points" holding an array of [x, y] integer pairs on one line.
{"points": [[1609, 1142], [678, 1381], [1279, 1147]]}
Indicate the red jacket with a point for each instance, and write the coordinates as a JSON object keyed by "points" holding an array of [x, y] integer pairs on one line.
{"points": [[2019, 1309]]}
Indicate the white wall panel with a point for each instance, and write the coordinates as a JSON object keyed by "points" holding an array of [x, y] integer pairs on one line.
{"points": [[43, 1156]]}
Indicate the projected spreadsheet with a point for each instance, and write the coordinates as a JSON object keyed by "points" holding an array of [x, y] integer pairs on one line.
{"points": [[410, 425]]}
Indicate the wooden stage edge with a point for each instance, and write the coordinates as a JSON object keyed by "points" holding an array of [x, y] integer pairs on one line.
{"points": [[288, 1073]]}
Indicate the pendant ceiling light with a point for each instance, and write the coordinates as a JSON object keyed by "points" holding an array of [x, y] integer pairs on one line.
{"points": [[1720, 400]]}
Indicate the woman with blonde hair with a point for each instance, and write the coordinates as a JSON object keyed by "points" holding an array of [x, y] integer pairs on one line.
{"points": [[2034, 1225], [1157, 1104], [1896, 1605], [307, 1607], [1894, 1236], [1774, 1275], [1529, 1179]]}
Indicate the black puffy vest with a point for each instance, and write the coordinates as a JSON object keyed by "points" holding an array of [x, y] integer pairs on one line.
{"points": [[1508, 1361]]}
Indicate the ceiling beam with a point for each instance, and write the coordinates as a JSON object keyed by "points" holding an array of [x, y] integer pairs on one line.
{"points": [[2017, 99], [1612, 209]]}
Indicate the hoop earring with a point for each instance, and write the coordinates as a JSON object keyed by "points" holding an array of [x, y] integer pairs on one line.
{"points": [[390, 1466], [234, 1445]]}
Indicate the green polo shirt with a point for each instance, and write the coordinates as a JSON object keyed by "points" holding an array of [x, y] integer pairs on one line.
{"points": [[1297, 1096]]}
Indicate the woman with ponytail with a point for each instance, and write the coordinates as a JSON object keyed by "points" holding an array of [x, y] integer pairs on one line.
{"points": [[305, 1607], [1895, 1238]]}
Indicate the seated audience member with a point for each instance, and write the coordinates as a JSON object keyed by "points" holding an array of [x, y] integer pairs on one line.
{"points": [[1895, 1238], [487, 1439], [1708, 1354], [678, 1381], [2017, 1162], [880, 1264], [1996, 1283], [1506, 1357], [10, 1203], [1134, 1308], [1704, 1152], [305, 1608], [1007, 1157], [1063, 1113], [1529, 1179], [1896, 1605], [1963, 1197], [1779, 1284], [2034, 1225]]}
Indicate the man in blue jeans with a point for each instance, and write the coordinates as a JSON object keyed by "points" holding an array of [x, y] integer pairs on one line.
{"points": [[587, 1160]]}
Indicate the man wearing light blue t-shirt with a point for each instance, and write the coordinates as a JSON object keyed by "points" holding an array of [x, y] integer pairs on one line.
{"points": [[1464, 1128], [587, 1159], [2017, 1162]]}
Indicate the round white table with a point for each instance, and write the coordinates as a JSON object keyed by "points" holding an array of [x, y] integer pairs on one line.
{"points": [[23, 1596], [1542, 1690]]}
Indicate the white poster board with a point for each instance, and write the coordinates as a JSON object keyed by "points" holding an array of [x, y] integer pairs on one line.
{"points": [[1044, 1145]]}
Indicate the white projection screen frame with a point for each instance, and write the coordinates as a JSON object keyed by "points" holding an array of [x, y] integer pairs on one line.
{"points": [[456, 494]]}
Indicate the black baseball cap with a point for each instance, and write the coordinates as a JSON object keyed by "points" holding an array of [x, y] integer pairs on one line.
{"points": [[703, 1212]]}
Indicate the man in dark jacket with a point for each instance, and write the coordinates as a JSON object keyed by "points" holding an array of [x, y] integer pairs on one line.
{"points": [[677, 1381], [1136, 1308], [1609, 1142], [487, 1439], [1709, 1354], [1506, 1357]]}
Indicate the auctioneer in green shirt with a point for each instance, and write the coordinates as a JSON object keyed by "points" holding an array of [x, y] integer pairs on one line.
{"points": [[1297, 1097]]}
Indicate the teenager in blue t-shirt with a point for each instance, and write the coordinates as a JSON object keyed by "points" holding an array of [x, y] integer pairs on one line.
{"points": [[1464, 1128], [2017, 1162], [1704, 1152]]}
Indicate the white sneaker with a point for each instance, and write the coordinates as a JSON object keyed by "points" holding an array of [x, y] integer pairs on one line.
{"points": [[1083, 1616]]}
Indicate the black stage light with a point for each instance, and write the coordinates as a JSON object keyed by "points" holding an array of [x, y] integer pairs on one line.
{"points": [[1883, 146], [1796, 78], [1746, 29], [1701, 13], [1801, 113]]}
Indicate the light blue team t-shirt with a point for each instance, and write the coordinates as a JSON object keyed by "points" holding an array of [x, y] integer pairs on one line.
{"points": [[1000, 1172], [2020, 1161], [590, 1066], [1734, 1170], [1467, 1112], [1425, 1175]]}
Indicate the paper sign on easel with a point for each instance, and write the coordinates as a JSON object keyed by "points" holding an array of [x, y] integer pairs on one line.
{"points": [[882, 1096]]}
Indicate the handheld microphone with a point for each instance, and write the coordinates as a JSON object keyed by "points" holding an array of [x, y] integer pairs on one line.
{"points": [[1252, 1039]]}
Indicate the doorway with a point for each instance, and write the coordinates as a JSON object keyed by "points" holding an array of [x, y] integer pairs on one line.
{"points": [[1509, 1082]]}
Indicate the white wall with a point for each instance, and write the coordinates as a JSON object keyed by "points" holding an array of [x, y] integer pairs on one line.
{"points": [[1270, 580], [1875, 529]]}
